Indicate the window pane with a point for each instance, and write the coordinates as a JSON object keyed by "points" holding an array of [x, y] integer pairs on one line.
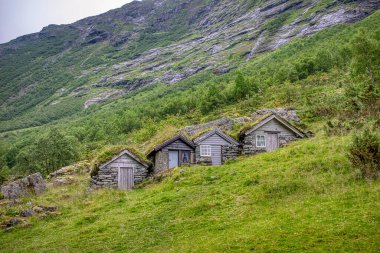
{"points": [[205, 150], [260, 141], [185, 157]]}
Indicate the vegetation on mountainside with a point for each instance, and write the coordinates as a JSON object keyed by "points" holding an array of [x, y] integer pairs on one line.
{"points": [[365, 153], [301, 198], [330, 77], [46, 154]]}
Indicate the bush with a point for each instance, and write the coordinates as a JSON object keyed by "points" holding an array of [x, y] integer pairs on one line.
{"points": [[364, 154], [4, 174]]}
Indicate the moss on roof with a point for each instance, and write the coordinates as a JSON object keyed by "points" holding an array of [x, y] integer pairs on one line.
{"points": [[163, 137], [110, 152], [248, 126], [202, 132], [252, 124]]}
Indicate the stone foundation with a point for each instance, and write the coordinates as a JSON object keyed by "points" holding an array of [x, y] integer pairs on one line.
{"points": [[161, 161], [285, 139], [252, 150], [205, 160], [108, 176], [230, 152]]}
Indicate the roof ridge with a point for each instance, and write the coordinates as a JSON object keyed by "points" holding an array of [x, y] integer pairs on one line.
{"points": [[220, 132], [130, 153]]}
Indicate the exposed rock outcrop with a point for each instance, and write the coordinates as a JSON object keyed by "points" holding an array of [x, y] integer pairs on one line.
{"points": [[103, 98], [33, 184]]}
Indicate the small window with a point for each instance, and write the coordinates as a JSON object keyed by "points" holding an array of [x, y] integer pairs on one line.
{"points": [[205, 150], [260, 141], [185, 157]]}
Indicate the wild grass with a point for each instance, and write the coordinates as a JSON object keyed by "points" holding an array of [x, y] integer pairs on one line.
{"points": [[302, 198]]}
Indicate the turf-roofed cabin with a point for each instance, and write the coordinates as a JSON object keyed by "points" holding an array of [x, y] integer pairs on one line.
{"points": [[122, 171], [269, 133], [215, 147], [172, 153]]}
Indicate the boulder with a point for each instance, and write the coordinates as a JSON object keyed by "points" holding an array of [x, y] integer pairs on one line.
{"points": [[26, 213], [33, 184], [9, 224], [80, 167]]}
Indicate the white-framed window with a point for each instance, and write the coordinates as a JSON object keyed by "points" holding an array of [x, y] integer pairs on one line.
{"points": [[205, 150], [260, 141]]}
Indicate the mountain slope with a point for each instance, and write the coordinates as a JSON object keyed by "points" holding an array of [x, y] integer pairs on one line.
{"points": [[317, 75], [63, 69], [302, 198]]}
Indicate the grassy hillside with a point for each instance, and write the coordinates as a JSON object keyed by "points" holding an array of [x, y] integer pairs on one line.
{"points": [[306, 197], [323, 76], [303, 198]]}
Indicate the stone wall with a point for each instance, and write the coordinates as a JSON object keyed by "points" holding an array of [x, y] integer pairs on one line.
{"points": [[283, 140], [161, 161], [249, 145], [230, 152], [33, 184], [106, 177], [109, 176]]}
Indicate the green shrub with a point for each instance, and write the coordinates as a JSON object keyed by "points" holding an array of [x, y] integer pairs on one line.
{"points": [[364, 154], [4, 173]]}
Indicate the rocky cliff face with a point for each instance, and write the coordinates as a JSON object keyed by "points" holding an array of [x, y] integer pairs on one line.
{"points": [[210, 32], [147, 42]]}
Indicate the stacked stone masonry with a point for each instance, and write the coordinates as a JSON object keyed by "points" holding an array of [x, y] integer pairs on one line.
{"points": [[108, 176], [230, 152]]}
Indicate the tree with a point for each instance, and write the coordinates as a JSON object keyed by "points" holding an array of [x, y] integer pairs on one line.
{"points": [[365, 68], [364, 153], [47, 154], [211, 98], [365, 56], [241, 88]]}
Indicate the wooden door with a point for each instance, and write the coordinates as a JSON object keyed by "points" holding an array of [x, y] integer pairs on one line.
{"points": [[126, 178], [216, 155], [173, 159], [272, 142]]}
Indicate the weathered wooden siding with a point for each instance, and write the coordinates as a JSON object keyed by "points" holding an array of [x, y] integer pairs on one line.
{"points": [[216, 154], [125, 161], [177, 145], [126, 178], [275, 126], [216, 142]]}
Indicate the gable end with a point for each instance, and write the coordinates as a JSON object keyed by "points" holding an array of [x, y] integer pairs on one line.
{"points": [[282, 121]]}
